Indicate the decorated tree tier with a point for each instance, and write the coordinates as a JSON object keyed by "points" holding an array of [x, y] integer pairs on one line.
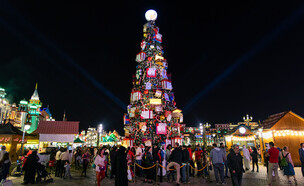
{"points": [[152, 113]]}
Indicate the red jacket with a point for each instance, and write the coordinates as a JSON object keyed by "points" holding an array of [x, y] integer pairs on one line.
{"points": [[198, 155], [190, 153]]}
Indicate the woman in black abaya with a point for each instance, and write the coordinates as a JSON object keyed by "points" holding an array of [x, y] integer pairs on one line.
{"points": [[121, 178], [30, 167]]}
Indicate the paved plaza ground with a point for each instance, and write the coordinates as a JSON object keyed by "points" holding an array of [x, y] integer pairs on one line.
{"points": [[249, 179]]}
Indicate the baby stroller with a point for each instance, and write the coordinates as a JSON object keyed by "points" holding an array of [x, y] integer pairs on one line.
{"points": [[42, 173]]}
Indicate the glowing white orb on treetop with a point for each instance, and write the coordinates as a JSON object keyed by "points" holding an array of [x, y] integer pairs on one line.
{"points": [[151, 15]]}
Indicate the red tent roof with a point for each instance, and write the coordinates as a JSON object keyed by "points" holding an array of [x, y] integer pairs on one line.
{"points": [[58, 127]]}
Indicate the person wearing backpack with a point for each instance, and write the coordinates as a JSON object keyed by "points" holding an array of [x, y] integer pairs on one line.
{"points": [[254, 157], [287, 163]]}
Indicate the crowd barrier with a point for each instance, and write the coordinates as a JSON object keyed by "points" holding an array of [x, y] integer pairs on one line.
{"points": [[157, 165]]}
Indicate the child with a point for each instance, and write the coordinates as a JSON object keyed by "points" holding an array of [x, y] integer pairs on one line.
{"points": [[67, 170]]}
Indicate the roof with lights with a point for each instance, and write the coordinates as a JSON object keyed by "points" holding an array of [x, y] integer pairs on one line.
{"points": [[284, 121]]}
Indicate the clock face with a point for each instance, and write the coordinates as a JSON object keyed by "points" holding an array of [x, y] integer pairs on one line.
{"points": [[242, 130]]}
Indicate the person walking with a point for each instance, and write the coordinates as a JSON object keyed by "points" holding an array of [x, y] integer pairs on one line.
{"points": [[30, 168], [222, 146], [289, 169], [205, 163], [185, 163], [273, 154], [100, 166], [113, 154], [218, 157], [246, 155], [168, 154], [266, 161], [198, 152], [301, 154], [65, 157], [138, 159], [85, 162], [121, 167], [77, 158], [176, 160], [2, 152], [191, 161], [148, 162], [58, 163], [106, 154], [67, 168], [163, 157], [254, 156], [235, 165], [157, 159], [5, 164]]}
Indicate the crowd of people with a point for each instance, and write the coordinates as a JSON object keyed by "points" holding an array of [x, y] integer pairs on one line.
{"points": [[123, 164]]}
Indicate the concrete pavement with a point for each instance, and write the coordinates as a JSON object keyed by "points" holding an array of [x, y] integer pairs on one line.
{"points": [[249, 179]]}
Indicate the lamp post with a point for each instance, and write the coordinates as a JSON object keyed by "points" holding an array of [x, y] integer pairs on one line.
{"points": [[205, 127], [261, 137], [247, 119], [25, 128], [99, 134], [201, 130]]}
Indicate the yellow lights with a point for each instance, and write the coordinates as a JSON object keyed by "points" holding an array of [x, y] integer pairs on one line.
{"points": [[288, 133], [267, 134], [228, 138], [177, 111], [158, 57], [156, 101], [249, 138]]}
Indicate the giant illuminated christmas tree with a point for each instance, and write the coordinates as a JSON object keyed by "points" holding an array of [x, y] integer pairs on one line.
{"points": [[152, 113]]}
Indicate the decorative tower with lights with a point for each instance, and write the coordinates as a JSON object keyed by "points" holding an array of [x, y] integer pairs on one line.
{"points": [[34, 110], [152, 116]]}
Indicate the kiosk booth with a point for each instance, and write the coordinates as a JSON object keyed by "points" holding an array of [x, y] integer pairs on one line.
{"points": [[56, 134], [242, 135]]}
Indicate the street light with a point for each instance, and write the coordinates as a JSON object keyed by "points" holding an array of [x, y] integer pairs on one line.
{"points": [[201, 130], [25, 128], [99, 133]]}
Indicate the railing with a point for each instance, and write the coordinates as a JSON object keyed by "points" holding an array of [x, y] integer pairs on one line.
{"points": [[157, 165]]}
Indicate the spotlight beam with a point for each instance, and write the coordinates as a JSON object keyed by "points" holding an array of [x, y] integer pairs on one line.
{"points": [[286, 24]]}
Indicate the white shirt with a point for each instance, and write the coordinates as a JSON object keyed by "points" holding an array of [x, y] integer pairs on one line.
{"points": [[246, 153], [58, 155], [65, 156], [99, 161], [138, 153]]}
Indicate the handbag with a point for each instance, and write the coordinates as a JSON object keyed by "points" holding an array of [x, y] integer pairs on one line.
{"points": [[129, 175], [284, 162]]}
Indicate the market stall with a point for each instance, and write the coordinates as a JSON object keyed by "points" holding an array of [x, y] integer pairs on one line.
{"points": [[11, 137], [241, 135], [78, 143], [112, 138], [284, 129], [56, 134]]}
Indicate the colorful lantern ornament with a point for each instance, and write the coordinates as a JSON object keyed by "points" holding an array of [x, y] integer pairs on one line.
{"points": [[151, 72], [141, 56]]}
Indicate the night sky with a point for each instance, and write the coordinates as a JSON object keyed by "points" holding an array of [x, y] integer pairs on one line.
{"points": [[227, 59]]}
